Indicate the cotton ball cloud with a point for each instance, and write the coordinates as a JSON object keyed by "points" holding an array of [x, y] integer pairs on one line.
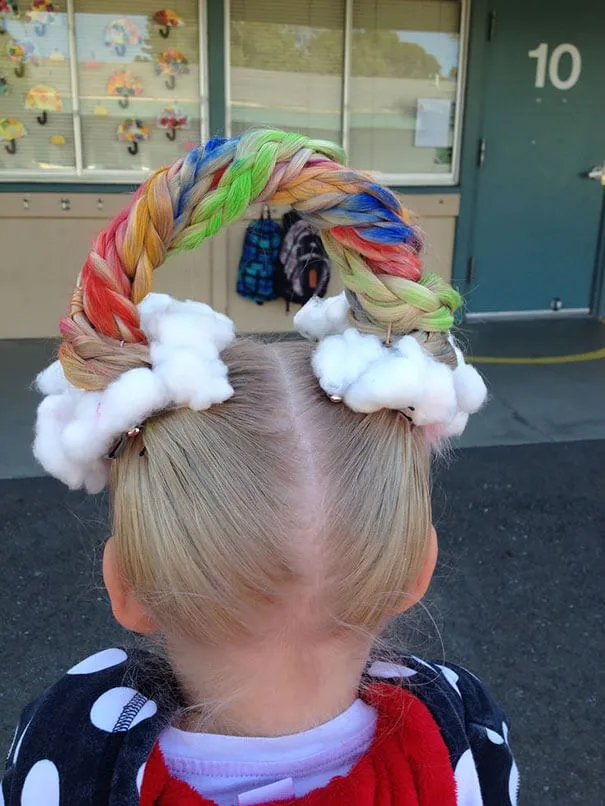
{"points": [[54, 413], [322, 317], [52, 380], [471, 392], [129, 400], [437, 405], [193, 381], [341, 359], [393, 382]]}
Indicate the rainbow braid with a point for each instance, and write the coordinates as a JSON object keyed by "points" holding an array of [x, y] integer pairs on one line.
{"points": [[365, 229]]}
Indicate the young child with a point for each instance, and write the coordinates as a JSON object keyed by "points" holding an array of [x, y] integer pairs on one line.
{"points": [[271, 514]]}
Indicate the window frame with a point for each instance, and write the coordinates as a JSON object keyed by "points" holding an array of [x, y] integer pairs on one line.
{"points": [[84, 176], [395, 179]]}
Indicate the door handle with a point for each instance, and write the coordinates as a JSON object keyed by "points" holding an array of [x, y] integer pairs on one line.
{"points": [[597, 172]]}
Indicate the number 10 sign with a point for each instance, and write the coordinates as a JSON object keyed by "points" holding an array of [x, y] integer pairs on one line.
{"points": [[554, 64]]}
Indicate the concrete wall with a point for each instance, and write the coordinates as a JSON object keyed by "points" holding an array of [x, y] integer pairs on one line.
{"points": [[44, 244]]}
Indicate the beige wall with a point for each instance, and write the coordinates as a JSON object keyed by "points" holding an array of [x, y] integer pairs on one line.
{"points": [[44, 245]]}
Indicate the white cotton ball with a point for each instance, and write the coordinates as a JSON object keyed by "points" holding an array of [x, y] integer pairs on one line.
{"points": [[130, 400], [194, 382], [409, 348], [151, 308], [470, 388], [53, 413], [437, 405], [160, 353], [81, 439], [455, 427], [319, 318], [393, 382], [191, 306], [82, 442], [96, 476], [52, 380], [190, 330], [223, 327], [340, 360]]}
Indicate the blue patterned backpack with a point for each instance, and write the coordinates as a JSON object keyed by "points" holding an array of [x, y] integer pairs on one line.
{"points": [[256, 273]]}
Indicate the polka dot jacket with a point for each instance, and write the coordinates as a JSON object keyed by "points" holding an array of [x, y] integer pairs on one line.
{"points": [[87, 738]]}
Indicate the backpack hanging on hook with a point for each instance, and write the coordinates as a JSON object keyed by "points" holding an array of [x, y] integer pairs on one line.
{"points": [[256, 272], [303, 268]]}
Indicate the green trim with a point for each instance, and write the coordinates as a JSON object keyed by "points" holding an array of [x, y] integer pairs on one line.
{"points": [[215, 31], [471, 132], [64, 187]]}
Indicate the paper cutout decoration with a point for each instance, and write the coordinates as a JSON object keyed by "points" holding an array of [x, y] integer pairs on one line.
{"points": [[189, 145], [124, 85], [121, 33], [133, 131], [56, 56], [91, 63], [11, 130], [57, 140], [99, 110], [172, 118], [20, 53], [44, 98], [41, 13], [167, 18], [6, 8], [171, 63], [3, 85]]}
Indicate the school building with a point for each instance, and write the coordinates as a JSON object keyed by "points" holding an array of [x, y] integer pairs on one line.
{"points": [[488, 116]]}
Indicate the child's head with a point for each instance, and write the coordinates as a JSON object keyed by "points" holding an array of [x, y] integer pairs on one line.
{"points": [[275, 510], [260, 489]]}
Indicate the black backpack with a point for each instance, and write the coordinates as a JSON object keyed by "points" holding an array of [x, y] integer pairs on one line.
{"points": [[256, 273], [303, 269]]}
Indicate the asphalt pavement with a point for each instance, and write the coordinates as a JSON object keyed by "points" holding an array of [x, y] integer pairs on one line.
{"points": [[518, 598]]}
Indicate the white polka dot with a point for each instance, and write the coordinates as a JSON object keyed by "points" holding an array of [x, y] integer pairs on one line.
{"points": [[390, 670], [505, 731], [10, 749], [493, 736], [513, 785], [41, 786], [107, 709], [468, 789], [146, 712], [18, 747], [101, 660], [451, 677], [140, 775], [423, 662]]}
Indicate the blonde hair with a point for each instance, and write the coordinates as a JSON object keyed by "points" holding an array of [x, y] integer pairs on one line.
{"points": [[276, 507]]}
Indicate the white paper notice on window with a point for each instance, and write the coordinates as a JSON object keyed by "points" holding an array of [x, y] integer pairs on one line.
{"points": [[433, 123]]}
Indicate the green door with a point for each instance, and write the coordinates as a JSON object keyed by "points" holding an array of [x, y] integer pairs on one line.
{"points": [[537, 214]]}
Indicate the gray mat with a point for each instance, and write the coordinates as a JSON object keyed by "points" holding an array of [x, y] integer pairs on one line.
{"points": [[518, 598]]}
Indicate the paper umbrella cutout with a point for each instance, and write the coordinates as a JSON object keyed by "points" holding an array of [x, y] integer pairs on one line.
{"points": [[166, 18], [41, 13], [44, 98], [124, 85], [121, 33], [172, 118], [11, 130], [134, 132], [171, 63], [6, 8], [20, 53]]}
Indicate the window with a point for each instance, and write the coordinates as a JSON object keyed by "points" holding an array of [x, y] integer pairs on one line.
{"points": [[99, 91], [383, 77]]}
